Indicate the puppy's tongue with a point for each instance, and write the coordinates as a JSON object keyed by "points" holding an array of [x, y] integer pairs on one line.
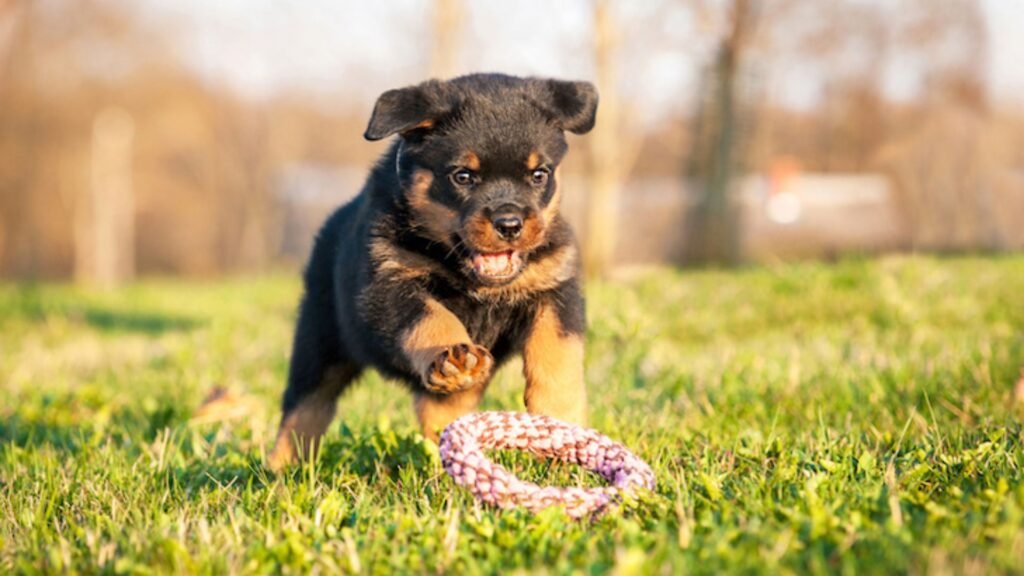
{"points": [[494, 263]]}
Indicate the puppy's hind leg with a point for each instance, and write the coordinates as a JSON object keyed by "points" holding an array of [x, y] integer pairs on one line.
{"points": [[318, 374]]}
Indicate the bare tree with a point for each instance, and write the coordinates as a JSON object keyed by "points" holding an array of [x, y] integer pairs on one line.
{"points": [[946, 161], [249, 232], [715, 230], [614, 145]]}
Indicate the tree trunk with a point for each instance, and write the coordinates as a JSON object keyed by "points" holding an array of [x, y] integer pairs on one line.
{"points": [[715, 236], [606, 157]]}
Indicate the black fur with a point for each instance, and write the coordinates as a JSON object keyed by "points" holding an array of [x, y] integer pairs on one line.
{"points": [[355, 310]]}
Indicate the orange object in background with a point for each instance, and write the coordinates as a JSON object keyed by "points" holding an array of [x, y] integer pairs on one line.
{"points": [[783, 205], [781, 173]]}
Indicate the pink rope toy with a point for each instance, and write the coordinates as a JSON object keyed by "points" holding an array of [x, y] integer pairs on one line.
{"points": [[462, 453]]}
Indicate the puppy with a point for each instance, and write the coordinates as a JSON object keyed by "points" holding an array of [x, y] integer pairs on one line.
{"points": [[451, 259]]}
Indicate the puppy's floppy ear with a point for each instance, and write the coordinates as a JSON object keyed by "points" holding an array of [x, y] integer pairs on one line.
{"points": [[572, 105], [406, 109]]}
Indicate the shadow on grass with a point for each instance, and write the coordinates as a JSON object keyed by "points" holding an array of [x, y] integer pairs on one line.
{"points": [[33, 304], [69, 438], [371, 454], [144, 322], [375, 451], [200, 459], [66, 424], [237, 471]]}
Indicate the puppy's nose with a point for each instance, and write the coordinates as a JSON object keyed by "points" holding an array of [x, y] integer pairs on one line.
{"points": [[508, 226]]}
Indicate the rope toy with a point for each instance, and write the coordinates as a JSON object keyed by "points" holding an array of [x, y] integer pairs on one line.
{"points": [[462, 453]]}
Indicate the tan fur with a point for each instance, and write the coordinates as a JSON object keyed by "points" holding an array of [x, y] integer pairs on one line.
{"points": [[399, 262], [533, 161], [435, 412], [303, 426], [469, 160], [437, 331], [533, 231], [479, 233], [435, 219], [553, 366]]}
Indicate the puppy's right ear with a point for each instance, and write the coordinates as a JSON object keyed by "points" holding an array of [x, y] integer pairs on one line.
{"points": [[405, 109], [572, 105]]}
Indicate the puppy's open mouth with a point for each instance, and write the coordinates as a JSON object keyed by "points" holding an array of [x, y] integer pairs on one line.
{"points": [[497, 266]]}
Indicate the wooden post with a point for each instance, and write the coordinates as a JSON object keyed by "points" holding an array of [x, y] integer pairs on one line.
{"points": [[105, 215]]}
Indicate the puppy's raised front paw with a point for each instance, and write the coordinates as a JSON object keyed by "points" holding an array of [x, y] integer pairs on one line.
{"points": [[458, 368]]}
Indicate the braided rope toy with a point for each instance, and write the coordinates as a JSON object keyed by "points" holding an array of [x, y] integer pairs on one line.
{"points": [[462, 453]]}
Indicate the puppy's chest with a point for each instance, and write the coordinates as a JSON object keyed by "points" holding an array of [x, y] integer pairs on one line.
{"points": [[492, 325]]}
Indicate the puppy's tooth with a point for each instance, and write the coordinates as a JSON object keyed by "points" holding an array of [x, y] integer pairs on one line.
{"points": [[449, 369]]}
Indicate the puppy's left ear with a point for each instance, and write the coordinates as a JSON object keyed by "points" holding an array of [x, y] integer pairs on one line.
{"points": [[572, 105], [399, 111]]}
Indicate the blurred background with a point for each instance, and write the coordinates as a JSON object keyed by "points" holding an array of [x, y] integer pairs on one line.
{"points": [[198, 137]]}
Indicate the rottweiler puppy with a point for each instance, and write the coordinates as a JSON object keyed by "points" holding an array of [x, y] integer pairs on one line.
{"points": [[451, 259]]}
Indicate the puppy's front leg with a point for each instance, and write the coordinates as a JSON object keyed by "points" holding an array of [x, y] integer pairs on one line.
{"points": [[452, 369], [553, 365]]}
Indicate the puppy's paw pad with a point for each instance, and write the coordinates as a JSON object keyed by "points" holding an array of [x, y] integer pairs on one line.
{"points": [[459, 367]]}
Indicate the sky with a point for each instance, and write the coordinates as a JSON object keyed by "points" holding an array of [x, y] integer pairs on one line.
{"points": [[1006, 52], [362, 48]]}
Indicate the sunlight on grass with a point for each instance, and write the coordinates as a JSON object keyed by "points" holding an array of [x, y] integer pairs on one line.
{"points": [[855, 417]]}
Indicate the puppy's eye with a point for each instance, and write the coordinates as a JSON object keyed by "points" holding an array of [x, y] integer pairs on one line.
{"points": [[462, 178], [539, 177]]}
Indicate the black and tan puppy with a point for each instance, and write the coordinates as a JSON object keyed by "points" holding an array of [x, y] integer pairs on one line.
{"points": [[451, 259]]}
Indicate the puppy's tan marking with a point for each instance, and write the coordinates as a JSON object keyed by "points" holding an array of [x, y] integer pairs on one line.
{"points": [[533, 160], [304, 426], [398, 262], [437, 331], [440, 350], [533, 231], [469, 160], [435, 412], [479, 232], [553, 366], [435, 219]]}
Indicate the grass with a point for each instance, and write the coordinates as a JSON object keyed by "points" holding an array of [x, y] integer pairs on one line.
{"points": [[854, 417]]}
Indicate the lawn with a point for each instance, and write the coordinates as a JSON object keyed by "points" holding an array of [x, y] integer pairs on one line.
{"points": [[856, 417]]}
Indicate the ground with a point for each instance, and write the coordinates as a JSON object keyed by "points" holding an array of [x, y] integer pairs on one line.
{"points": [[856, 417]]}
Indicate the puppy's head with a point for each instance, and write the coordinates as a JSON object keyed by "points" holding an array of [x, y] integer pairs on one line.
{"points": [[478, 161]]}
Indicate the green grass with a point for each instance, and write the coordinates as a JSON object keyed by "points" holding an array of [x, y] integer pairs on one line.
{"points": [[854, 418]]}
